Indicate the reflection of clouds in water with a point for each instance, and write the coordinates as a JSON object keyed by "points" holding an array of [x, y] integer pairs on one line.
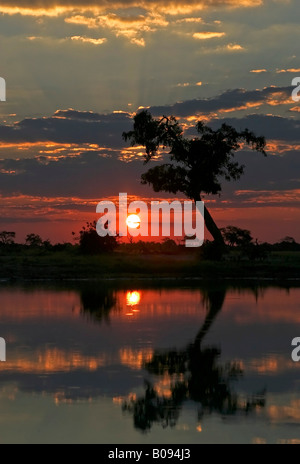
{"points": [[289, 441], [284, 413], [73, 359], [135, 359], [269, 364], [278, 306], [8, 392], [259, 441], [61, 397], [163, 386], [192, 374], [53, 360]]}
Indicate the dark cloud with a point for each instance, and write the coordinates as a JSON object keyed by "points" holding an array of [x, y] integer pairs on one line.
{"points": [[78, 127], [89, 175], [97, 174], [231, 99], [272, 127], [70, 126], [273, 172]]}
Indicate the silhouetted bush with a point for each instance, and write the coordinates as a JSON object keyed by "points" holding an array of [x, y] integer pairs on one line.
{"points": [[91, 243], [211, 251]]}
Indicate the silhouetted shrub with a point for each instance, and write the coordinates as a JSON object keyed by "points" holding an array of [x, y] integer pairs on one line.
{"points": [[91, 243]]}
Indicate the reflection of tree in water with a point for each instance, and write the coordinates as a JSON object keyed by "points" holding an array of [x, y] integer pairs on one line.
{"points": [[97, 301], [196, 375]]}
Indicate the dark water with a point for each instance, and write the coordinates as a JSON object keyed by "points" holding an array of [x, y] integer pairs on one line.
{"points": [[134, 363]]}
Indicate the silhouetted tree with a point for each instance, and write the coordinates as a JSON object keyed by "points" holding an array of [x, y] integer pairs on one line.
{"points": [[197, 164], [91, 243], [286, 244], [47, 244], [287, 239], [33, 240], [235, 236], [7, 238]]}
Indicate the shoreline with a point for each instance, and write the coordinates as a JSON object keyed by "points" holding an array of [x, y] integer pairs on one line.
{"points": [[121, 267], [148, 279]]}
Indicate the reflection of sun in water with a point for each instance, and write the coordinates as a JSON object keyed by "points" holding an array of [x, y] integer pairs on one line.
{"points": [[132, 299], [133, 221]]}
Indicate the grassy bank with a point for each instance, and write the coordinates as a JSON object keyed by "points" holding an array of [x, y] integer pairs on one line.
{"points": [[66, 265]]}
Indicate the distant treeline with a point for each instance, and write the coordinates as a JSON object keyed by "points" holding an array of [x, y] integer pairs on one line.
{"points": [[239, 242]]}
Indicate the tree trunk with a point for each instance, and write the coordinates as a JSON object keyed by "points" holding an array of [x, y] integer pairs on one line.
{"points": [[211, 225], [216, 300]]}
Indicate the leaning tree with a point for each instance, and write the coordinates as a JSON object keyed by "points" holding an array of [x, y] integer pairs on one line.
{"points": [[196, 165]]}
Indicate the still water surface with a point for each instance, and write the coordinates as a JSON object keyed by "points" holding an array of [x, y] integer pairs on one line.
{"points": [[134, 363]]}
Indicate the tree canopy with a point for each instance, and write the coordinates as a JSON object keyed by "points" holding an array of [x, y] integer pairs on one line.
{"points": [[235, 236], [7, 238], [33, 240], [196, 165]]}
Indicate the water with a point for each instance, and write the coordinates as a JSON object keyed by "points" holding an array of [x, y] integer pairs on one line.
{"points": [[139, 363]]}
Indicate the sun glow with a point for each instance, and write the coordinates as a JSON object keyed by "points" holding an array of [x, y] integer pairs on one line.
{"points": [[133, 298], [133, 221]]}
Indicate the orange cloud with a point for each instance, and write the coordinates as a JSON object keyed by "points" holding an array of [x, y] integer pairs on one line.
{"points": [[279, 147], [130, 26], [89, 40], [258, 71], [51, 149], [246, 106], [189, 20], [184, 84], [60, 7], [189, 84], [278, 98], [141, 42], [208, 35], [81, 20], [234, 47], [290, 70]]}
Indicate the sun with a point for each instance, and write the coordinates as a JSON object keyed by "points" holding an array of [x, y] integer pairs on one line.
{"points": [[133, 221]]}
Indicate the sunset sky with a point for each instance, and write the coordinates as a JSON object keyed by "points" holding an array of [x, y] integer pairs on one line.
{"points": [[76, 73]]}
